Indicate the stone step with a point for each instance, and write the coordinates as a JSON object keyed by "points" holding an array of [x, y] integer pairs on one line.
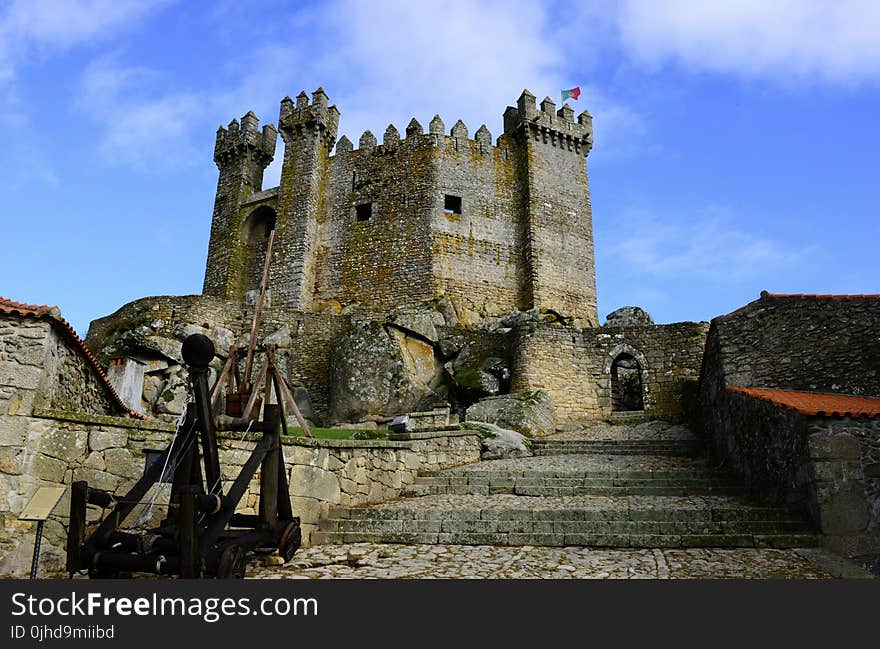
{"points": [[599, 479], [683, 450], [511, 526], [644, 489], [616, 444], [782, 540], [574, 513]]}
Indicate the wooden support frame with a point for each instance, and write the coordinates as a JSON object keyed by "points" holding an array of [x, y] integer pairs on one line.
{"points": [[202, 535]]}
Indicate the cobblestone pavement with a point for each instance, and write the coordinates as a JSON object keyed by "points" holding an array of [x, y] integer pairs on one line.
{"points": [[603, 431], [390, 561]]}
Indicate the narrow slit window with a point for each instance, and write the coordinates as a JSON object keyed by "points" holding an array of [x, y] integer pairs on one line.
{"points": [[363, 212], [452, 204]]}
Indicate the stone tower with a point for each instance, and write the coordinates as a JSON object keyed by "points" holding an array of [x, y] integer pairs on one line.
{"points": [[242, 153], [558, 247], [309, 133]]}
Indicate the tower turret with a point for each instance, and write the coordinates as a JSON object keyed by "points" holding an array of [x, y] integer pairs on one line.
{"points": [[558, 245], [242, 152], [309, 133]]}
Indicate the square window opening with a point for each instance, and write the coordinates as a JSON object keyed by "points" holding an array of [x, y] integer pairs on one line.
{"points": [[452, 204], [363, 212]]}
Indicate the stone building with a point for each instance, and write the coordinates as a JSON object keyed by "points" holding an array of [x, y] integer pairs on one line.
{"points": [[789, 392], [431, 269]]}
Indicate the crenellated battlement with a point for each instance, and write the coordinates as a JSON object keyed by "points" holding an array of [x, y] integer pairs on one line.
{"points": [[245, 139], [415, 136], [557, 128], [309, 119]]}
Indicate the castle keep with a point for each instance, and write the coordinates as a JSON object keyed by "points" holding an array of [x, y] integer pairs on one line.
{"points": [[499, 227]]}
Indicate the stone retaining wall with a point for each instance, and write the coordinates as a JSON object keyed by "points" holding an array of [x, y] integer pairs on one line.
{"points": [[53, 448], [828, 467]]}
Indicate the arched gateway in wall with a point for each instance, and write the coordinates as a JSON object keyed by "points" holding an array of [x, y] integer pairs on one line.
{"points": [[626, 367]]}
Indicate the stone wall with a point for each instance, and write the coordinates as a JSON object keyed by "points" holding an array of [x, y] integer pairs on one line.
{"points": [[39, 368], [478, 254], [386, 259], [574, 365], [799, 342], [57, 448], [828, 467]]}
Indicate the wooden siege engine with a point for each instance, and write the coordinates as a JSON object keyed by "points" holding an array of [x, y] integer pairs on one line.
{"points": [[201, 534]]}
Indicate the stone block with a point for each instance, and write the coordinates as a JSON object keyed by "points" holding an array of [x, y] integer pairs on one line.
{"points": [[44, 467], [97, 479], [104, 439], [21, 376], [314, 482], [62, 443], [841, 446], [13, 431], [11, 460], [308, 509], [837, 471], [122, 462], [843, 511], [851, 545]]}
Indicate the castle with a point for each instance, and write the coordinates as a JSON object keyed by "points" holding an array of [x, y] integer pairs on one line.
{"points": [[499, 227], [442, 239], [439, 276]]}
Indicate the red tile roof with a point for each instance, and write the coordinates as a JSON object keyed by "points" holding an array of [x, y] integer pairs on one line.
{"points": [[816, 403], [53, 315]]}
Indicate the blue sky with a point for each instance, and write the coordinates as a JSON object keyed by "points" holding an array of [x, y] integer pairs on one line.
{"points": [[736, 143]]}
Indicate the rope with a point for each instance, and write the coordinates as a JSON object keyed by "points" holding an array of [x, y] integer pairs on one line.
{"points": [[235, 458], [147, 513]]}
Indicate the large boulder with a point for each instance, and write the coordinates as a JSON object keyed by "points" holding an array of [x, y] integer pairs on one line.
{"points": [[379, 370], [499, 443], [531, 413], [629, 316]]}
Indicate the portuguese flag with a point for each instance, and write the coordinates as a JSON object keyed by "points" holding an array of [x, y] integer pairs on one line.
{"points": [[574, 93]]}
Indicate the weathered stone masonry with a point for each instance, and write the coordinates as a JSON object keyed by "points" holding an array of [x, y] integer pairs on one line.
{"points": [[574, 365], [520, 235], [827, 464]]}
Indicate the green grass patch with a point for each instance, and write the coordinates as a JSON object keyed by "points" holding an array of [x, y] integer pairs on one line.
{"points": [[339, 433]]}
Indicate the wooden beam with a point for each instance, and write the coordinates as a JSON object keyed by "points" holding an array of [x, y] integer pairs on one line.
{"points": [[222, 377], [246, 413], [279, 381], [255, 323]]}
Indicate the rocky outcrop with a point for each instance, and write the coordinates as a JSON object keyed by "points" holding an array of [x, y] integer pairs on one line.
{"points": [[498, 443], [629, 316], [382, 370], [531, 413]]}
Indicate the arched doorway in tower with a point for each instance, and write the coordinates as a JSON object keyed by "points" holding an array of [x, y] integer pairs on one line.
{"points": [[255, 237], [626, 384]]}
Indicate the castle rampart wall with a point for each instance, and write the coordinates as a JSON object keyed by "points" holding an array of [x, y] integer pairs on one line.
{"points": [[797, 342], [574, 365]]}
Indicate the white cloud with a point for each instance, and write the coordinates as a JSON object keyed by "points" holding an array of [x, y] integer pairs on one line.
{"points": [[385, 63], [783, 40], [139, 125], [707, 246]]}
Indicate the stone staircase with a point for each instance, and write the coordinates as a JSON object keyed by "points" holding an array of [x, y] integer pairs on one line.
{"points": [[680, 447], [636, 493]]}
